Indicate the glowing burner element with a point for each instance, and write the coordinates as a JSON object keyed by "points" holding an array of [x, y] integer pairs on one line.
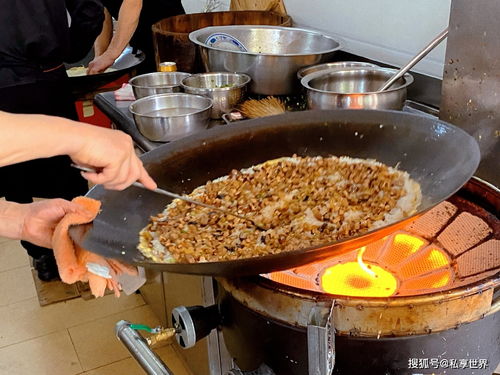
{"points": [[400, 264], [352, 280], [425, 261], [403, 245], [441, 249]]}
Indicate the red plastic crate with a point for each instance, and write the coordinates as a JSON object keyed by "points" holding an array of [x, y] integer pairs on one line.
{"points": [[89, 113]]}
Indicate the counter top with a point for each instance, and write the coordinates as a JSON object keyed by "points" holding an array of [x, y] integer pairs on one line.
{"points": [[118, 112]]}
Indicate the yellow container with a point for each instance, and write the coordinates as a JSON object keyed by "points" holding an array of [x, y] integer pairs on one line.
{"points": [[168, 66]]}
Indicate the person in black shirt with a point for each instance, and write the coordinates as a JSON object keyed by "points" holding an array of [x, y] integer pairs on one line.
{"points": [[134, 26], [36, 38]]}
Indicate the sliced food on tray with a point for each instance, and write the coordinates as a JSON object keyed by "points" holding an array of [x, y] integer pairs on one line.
{"points": [[78, 71], [301, 201]]}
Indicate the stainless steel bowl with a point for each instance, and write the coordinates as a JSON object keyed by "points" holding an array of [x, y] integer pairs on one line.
{"points": [[168, 117], [225, 89], [339, 65], [355, 88], [273, 54], [157, 83]]}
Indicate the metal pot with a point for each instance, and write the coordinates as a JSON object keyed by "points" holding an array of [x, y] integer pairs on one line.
{"points": [[225, 89], [157, 83], [339, 65], [270, 55], [355, 88], [168, 117]]}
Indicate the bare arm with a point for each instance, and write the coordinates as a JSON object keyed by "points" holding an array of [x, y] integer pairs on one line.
{"points": [[104, 38], [27, 137], [128, 19]]}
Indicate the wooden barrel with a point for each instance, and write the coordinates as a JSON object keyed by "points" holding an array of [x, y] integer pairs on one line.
{"points": [[171, 35]]}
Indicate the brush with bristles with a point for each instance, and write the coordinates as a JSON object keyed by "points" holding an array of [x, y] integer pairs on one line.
{"points": [[269, 106]]}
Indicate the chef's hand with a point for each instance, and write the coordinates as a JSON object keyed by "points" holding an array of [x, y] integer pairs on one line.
{"points": [[100, 63], [39, 219], [112, 153]]}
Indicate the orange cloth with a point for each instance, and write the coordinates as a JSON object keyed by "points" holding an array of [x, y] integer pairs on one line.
{"points": [[72, 259]]}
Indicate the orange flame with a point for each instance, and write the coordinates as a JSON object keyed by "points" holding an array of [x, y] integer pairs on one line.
{"points": [[400, 261], [362, 264], [358, 279]]}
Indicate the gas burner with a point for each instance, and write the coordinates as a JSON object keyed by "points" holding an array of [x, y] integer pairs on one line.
{"points": [[447, 247], [428, 292]]}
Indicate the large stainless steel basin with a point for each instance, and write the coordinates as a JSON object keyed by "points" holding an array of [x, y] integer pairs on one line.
{"points": [[270, 55]]}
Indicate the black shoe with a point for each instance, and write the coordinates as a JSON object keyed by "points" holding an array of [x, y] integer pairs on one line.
{"points": [[46, 268]]}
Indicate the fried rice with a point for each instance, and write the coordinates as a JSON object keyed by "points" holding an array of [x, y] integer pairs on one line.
{"points": [[303, 201]]}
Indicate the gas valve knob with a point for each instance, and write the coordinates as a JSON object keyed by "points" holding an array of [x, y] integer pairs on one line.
{"points": [[194, 323]]}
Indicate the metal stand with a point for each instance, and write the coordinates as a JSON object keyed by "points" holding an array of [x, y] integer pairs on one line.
{"points": [[321, 342]]}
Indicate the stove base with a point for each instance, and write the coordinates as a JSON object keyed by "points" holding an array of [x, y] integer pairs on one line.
{"points": [[254, 340]]}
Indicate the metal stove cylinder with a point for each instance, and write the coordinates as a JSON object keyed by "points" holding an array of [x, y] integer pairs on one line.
{"points": [[256, 333]]}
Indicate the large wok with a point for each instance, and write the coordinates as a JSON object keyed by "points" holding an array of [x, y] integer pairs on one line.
{"points": [[439, 156]]}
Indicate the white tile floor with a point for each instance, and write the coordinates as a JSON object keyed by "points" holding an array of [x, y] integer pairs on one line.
{"points": [[66, 338]]}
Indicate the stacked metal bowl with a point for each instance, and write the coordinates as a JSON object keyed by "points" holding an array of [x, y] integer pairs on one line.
{"points": [[157, 83], [225, 89], [161, 112]]}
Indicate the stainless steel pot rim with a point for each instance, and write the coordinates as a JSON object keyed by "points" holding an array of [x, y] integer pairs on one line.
{"points": [[308, 78], [131, 81], [193, 38], [246, 77], [300, 72], [151, 97]]}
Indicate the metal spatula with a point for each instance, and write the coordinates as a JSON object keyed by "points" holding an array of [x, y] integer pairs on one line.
{"points": [[177, 196]]}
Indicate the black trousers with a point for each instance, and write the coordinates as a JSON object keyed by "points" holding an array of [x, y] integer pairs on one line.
{"points": [[41, 178]]}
